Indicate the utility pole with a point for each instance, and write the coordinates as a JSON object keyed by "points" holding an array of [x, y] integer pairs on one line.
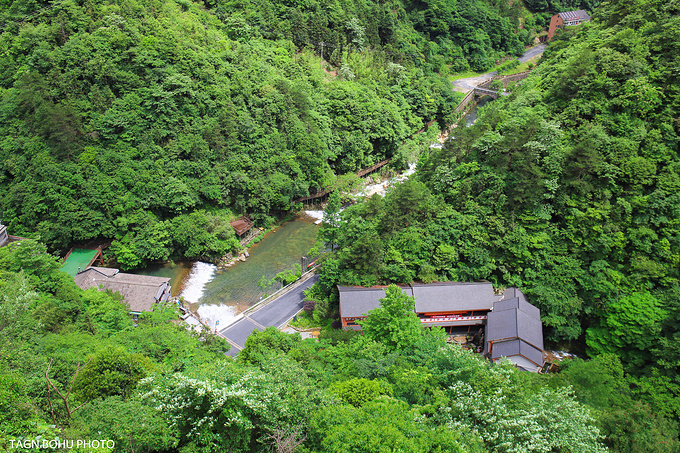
{"points": [[321, 62]]}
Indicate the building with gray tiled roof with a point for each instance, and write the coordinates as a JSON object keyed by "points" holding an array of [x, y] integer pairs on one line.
{"points": [[514, 330], [140, 292], [357, 301], [566, 19], [513, 327]]}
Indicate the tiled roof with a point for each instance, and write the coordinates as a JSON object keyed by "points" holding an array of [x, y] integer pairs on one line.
{"points": [[519, 303], [139, 291], [430, 298], [453, 296], [514, 323], [516, 347], [574, 15], [356, 301]]}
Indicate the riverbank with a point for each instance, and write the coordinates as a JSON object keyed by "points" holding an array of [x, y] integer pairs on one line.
{"points": [[218, 295]]}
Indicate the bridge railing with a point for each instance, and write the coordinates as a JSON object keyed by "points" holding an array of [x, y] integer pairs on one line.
{"points": [[280, 292]]}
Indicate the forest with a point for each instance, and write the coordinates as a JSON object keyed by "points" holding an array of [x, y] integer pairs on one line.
{"points": [[152, 124], [73, 367], [567, 188], [129, 121]]}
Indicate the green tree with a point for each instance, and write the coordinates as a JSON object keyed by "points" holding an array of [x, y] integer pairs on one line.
{"points": [[359, 391], [132, 425], [394, 323], [629, 328], [108, 311], [550, 420], [271, 341], [111, 372], [331, 220], [384, 425]]}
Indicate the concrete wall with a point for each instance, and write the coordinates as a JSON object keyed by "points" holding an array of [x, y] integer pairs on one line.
{"points": [[505, 79], [4, 238], [466, 100]]}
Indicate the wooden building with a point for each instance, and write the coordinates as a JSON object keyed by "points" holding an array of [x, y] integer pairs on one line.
{"points": [[514, 330], [512, 326], [140, 292], [242, 226], [448, 304]]}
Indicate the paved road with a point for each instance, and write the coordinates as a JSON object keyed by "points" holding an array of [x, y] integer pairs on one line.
{"points": [[531, 53], [470, 83], [276, 313]]}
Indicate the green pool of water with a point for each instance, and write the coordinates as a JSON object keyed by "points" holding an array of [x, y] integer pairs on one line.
{"points": [[79, 258], [277, 251], [177, 272], [237, 286]]}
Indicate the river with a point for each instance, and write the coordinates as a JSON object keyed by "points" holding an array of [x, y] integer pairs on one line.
{"points": [[471, 116], [221, 294]]}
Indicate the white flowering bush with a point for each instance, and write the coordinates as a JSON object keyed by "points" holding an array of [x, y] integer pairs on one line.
{"points": [[204, 411], [548, 421], [228, 407]]}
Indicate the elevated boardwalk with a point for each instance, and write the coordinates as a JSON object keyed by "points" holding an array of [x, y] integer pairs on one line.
{"points": [[324, 192]]}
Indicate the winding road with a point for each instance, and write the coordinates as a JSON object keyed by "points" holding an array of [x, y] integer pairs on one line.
{"points": [[470, 83]]}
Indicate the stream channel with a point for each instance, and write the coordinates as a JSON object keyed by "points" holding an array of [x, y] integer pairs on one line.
{"points": [[221, 294], [471, 115]]}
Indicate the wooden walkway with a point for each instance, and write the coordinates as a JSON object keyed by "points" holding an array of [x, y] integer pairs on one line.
{"points": [[324, 192]]}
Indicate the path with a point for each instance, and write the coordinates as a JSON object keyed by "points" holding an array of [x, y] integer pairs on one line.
{"points": [[470, 83], [276, 313]]}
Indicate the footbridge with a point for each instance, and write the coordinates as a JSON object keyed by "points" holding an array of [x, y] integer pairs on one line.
{"points": [[483, 88], [486, 92]]}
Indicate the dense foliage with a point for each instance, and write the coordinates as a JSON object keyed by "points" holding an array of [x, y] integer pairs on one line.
{"points": [[153, 123], [160, 387], [568, 188]]}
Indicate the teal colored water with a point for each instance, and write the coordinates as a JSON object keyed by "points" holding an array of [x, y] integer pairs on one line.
{"points": [[471, 116], [79, 258], [278, 251]]}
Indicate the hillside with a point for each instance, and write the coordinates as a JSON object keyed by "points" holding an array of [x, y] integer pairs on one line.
{"points": [[153, 123], [159, 387], [567, 188]]}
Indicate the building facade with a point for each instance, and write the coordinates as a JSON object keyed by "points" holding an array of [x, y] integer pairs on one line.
{"points": [[566, 19], [511, 326]]}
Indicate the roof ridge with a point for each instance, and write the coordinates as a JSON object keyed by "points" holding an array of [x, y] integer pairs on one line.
{"points": [[127, 282]]}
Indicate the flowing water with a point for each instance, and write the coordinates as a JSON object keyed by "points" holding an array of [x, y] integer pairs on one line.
{"points": [[219, 295], [471, 116]]}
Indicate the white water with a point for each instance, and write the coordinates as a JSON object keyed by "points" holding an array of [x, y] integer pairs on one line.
{"points": [[212, 314], [382, 187], [201, 273], [316, 215]]}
